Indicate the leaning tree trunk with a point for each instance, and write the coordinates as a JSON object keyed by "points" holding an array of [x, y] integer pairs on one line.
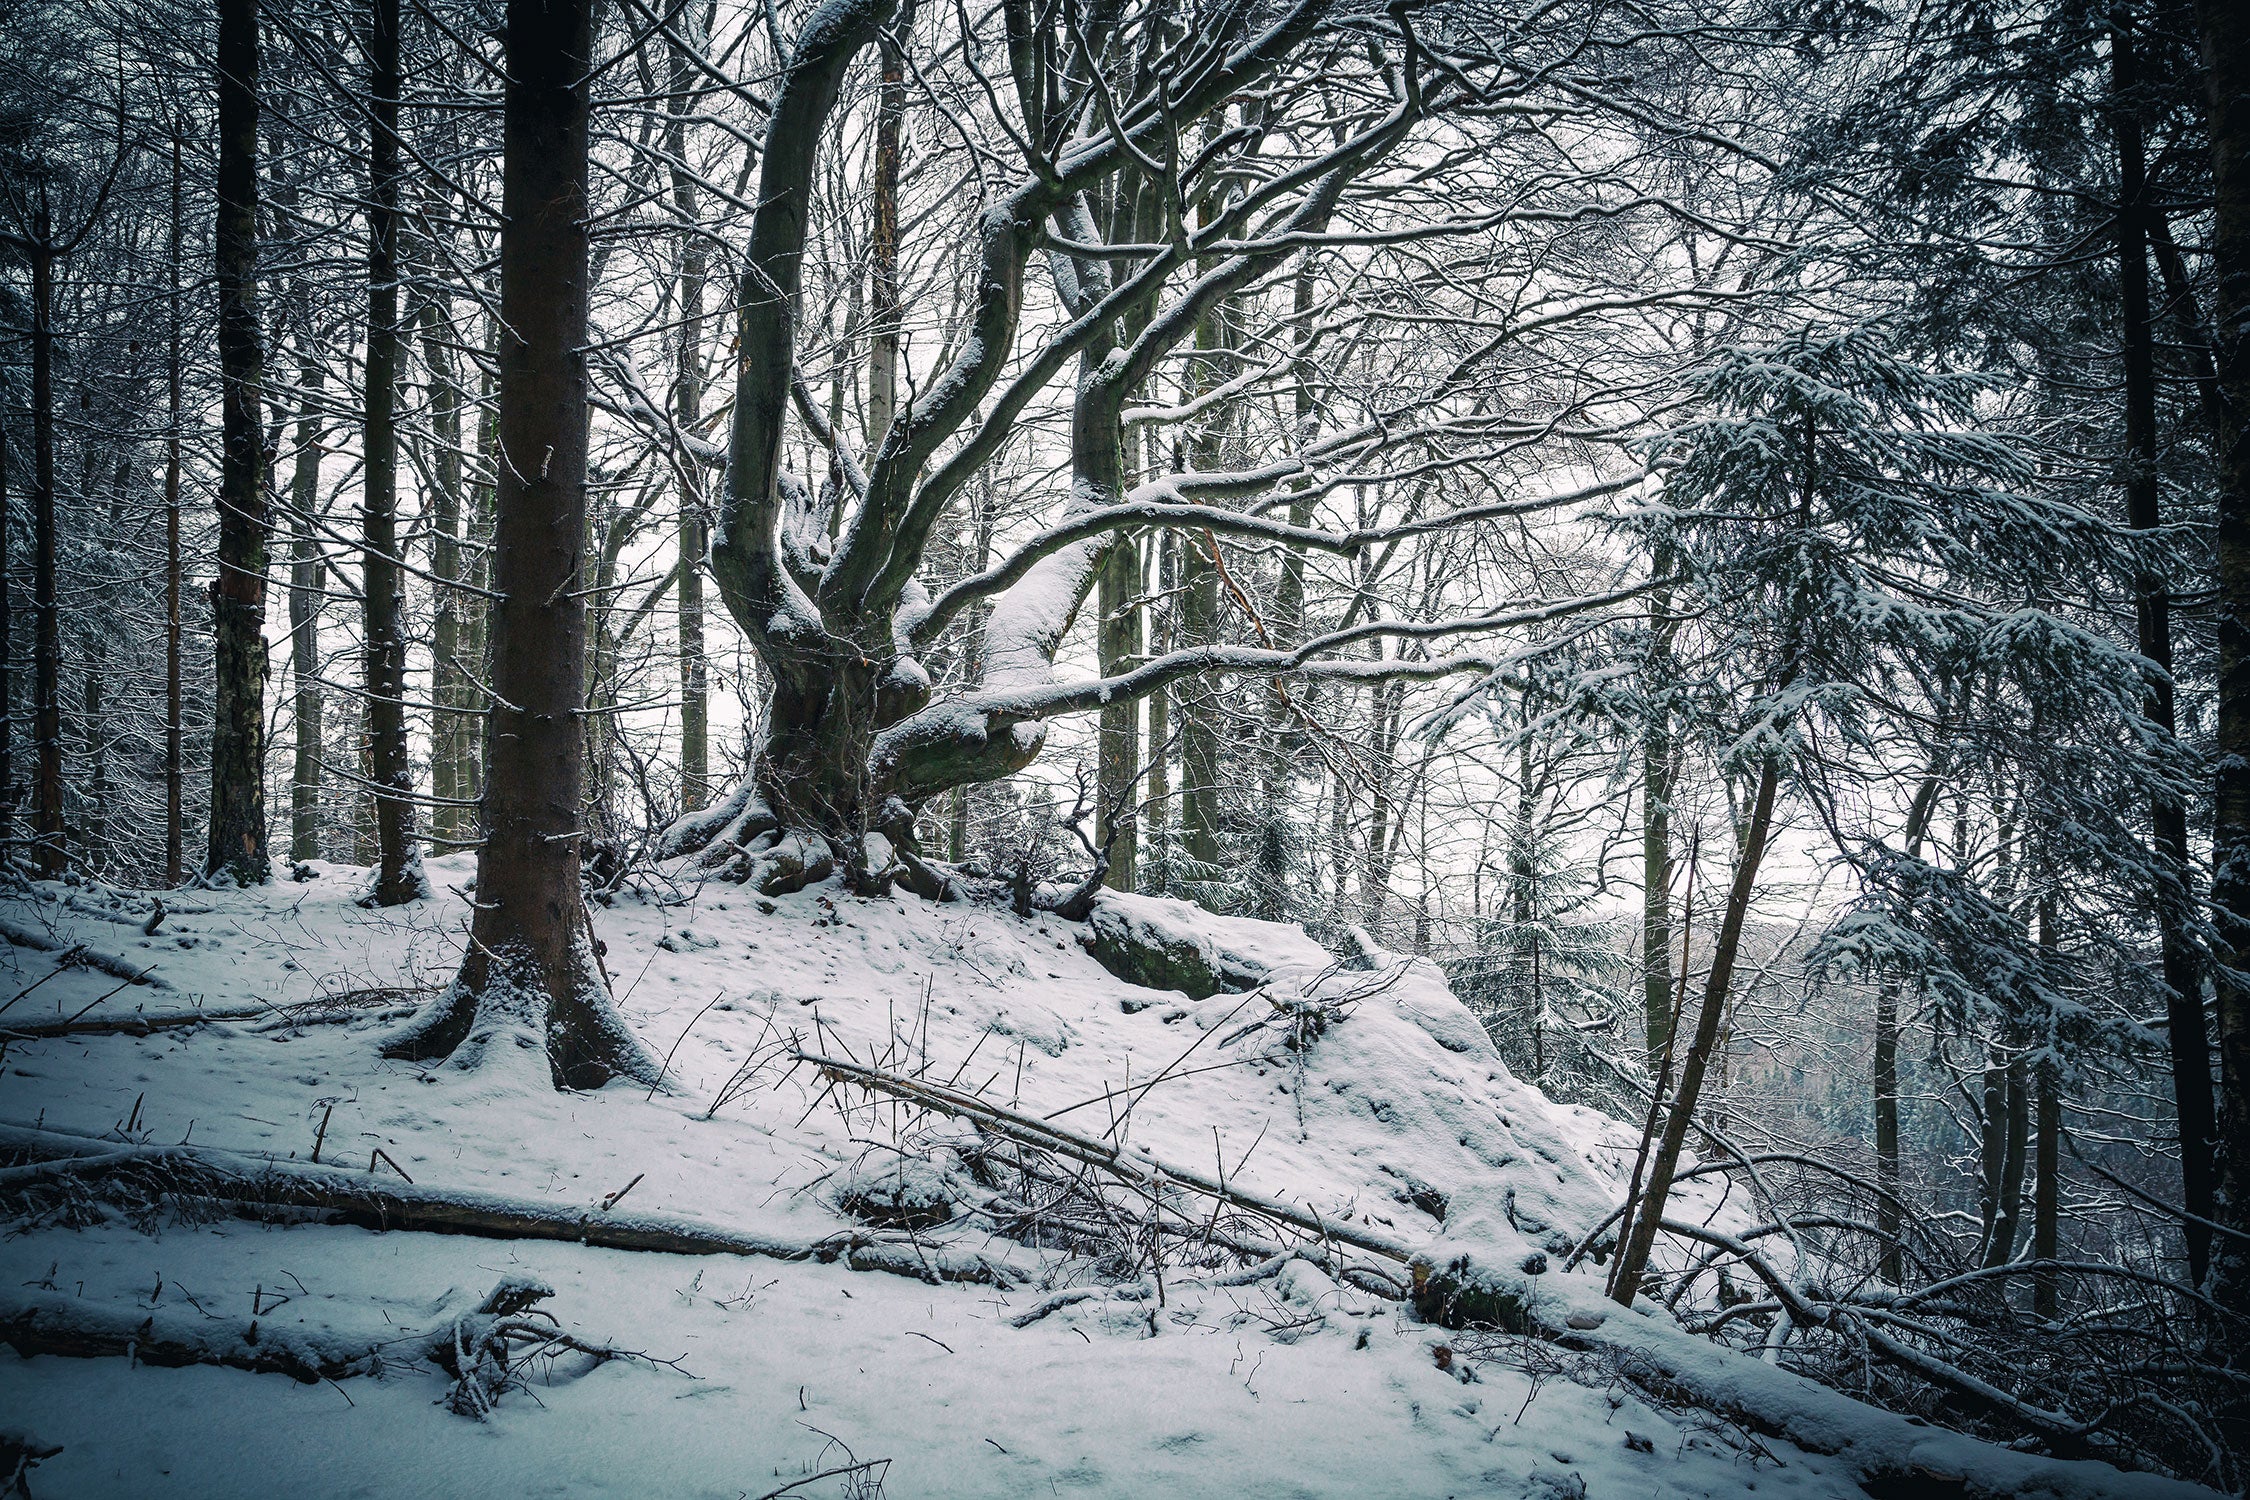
{"points": [[398, 876], [2225, 32], [1632, 1259], [531, 978], [237, 846]]}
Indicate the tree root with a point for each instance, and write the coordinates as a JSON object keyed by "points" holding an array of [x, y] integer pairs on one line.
{"points": [[136, 1177]]}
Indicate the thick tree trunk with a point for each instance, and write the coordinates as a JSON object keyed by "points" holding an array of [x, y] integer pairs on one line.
{"points": [[237, 847], [1632, 1260], [398, 875], [530, 978], [2186, 1035], [307, 573], [47, 855], [2225, 33]]}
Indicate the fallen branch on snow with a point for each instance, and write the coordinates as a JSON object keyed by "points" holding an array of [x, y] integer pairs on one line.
{"points": [[486, 1350], [260, 1187]]}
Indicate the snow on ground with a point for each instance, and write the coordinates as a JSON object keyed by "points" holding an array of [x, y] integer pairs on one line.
{"points": [[1390, 1112]]}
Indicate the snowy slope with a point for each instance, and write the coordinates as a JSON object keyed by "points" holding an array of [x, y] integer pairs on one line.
{"points": [[1390, 1112]]}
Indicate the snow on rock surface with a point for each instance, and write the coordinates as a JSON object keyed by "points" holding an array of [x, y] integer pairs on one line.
{"points": [[1359, 1090]]}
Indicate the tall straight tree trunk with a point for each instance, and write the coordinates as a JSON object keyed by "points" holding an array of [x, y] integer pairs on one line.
{"points": [[2046, 1167], [450, 825], [2189, 1042], [687, 410], [47, 857], [398, 876], [2015, 1137], [1197, 700], [307, 570], [476, 623], [1156, 871], [175, 821], [1118, 642], [530, 978], [1632, 1260], [7, 665], [2225, 34], [238, 595]]}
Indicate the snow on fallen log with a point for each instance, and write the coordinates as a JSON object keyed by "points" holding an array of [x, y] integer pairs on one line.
{"points": [[1460, 1281], [485, 1349], [384, 1204], [79, 955]]}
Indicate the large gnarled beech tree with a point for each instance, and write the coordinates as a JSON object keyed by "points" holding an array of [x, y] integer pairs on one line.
{"points": [[1117, 126], [531, 978]]}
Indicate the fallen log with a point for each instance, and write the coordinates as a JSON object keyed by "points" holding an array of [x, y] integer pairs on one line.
{"points": [[376, 1004], [485, 1349], [264, 1187], [1882, 1447], [79, 955]]}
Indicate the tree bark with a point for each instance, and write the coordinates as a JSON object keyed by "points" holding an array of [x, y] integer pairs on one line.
{"points": [[7, 664], [2046, 1168], [398, 877], [2015, 1136], [307, 571], [175, 822], [237, 847], [1118, 644], [687, 407], [2224, 28], [2188, 1040], [1157, 871], [530, 979], [47, 855], [451, 826]]}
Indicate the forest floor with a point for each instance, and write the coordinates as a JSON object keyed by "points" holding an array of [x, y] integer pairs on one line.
{"points": [[1390, 1113]]}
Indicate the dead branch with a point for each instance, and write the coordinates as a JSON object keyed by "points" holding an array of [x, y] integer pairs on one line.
{"points": [[264, 1188]]}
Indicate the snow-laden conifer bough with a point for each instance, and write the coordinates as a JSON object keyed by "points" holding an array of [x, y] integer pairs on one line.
{"points": [[1304, 1185]]}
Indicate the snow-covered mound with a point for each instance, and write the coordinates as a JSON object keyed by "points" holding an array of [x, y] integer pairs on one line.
{"points": [[1357, 1089]]}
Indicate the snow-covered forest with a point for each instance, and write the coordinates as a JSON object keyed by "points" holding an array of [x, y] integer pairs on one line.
{"points": [[871, 749]]}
